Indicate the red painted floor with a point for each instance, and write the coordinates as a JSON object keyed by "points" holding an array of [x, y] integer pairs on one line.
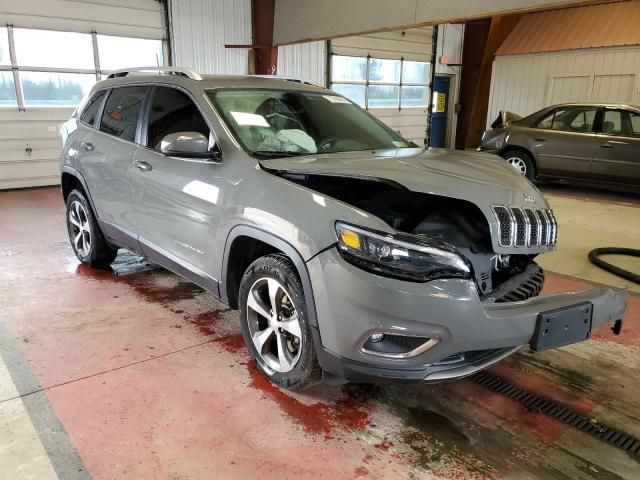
{"points": [[150, 378]]}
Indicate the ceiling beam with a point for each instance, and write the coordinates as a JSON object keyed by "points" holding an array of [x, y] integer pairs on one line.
{"points": [[299, 21]]}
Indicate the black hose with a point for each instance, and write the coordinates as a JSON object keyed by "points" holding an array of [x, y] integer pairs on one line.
{"points": [[594, 254]]}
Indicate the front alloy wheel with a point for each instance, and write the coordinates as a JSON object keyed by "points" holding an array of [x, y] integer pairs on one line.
{"points": [[274, 325], [273, 317]]}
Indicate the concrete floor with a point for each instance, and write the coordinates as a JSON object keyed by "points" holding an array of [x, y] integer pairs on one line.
{"points": [[135, 373]]}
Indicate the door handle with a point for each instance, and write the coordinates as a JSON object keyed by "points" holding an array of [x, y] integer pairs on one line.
{"points": [[87, 146], [144, 166], [606, 145], [540, 139]]}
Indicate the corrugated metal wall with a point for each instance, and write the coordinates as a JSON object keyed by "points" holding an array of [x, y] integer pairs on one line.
{"points": [[200, 30], [306, 60], [37, 128], [524, 84]]}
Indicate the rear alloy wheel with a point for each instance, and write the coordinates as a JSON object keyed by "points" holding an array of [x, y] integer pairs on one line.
{"points": [[522, 162], [85, 236], [274, 322]]}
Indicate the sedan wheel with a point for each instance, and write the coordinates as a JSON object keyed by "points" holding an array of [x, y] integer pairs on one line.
{"points": [[518, 164], [80, 228], [274, 325]]}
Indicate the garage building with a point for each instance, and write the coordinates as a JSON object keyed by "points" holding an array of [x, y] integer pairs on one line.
{"points": [[282, 239]]}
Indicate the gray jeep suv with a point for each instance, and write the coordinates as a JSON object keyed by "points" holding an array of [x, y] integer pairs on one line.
{"points": [[347, 249]]}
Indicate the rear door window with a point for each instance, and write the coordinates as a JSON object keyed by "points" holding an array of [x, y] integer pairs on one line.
{"points": [[122, 111], [91, 110], [569, 119]]}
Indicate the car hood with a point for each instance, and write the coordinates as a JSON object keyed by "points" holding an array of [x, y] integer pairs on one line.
{"points": [[480, 178]]}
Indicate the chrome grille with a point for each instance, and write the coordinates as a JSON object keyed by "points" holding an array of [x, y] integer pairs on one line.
{"points": [[525, 227]]}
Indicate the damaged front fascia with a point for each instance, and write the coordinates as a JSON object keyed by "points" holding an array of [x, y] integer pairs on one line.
{"points": [[455, 223]]}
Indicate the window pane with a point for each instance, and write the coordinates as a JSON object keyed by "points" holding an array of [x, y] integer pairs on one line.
{"points": [[120, 116], [635, 123], [7, 90], [43, 88], [383, 96], [387, 71], [123, 52], [415, 72], [91, 110], [351, 69], [355, 93], [580, 119], [44, 48], [172, 111], [5, 59], [612, 122], [414, 96]]}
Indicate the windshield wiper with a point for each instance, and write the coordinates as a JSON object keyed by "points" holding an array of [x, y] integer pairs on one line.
{"points": [[277, 154]]}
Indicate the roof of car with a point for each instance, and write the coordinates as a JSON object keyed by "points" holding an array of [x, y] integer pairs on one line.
{"points": [[182, 76], [595, 104]]}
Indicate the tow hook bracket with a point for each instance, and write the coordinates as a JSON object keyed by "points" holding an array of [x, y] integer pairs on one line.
{"points": [[617, 327]]}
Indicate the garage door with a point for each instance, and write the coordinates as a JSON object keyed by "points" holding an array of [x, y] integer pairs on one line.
{"points": [[51, 54], [389, 74]]}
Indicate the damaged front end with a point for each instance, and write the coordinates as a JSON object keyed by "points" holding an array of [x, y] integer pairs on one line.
{"points": [[423, 221]]}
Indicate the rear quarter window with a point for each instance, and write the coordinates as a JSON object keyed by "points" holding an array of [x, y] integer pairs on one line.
{"points": [[90, 111]]}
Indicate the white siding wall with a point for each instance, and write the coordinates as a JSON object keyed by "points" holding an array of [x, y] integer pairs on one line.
{"points": [[200, 30], [305, 60], [524, 84], [38, 128]]}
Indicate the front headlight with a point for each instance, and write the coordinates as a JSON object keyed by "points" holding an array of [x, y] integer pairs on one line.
{"points": [[400, 256]]}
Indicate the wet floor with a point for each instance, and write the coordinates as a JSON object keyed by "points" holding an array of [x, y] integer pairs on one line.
{"points": [[150, 378]]}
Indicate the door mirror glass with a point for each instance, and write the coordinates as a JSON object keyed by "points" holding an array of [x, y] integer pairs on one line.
{"points": [[186, 144]]}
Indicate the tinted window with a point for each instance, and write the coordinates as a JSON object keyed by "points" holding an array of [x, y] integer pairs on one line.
{"points": [[120, 116], [173, 111], [612, 122], [569, 119], [92, 107], [635, 123]]}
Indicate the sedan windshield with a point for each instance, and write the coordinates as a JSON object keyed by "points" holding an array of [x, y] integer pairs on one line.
{"points": [[278, 123]]}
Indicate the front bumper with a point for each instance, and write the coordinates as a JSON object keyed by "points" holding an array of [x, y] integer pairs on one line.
{"points": [[352, 304]]}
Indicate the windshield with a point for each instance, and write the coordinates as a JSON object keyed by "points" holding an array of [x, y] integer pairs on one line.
{"points": [[276, 123]]}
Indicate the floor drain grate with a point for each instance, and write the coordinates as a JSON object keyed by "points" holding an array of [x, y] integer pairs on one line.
{"points": [[538, 404]]}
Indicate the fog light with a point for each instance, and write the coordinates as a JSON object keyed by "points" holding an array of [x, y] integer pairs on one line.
{"points": [[376, 337]]}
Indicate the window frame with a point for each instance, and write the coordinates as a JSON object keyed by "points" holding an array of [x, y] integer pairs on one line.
{"points": [[16, 68], [144, 133], [595, 127], [625, 116], [146, 112], [83, 108], [145, 101], [369, 83]]}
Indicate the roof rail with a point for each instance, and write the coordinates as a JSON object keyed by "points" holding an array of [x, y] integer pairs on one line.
{"points": [[179, 71], [286, 78]]}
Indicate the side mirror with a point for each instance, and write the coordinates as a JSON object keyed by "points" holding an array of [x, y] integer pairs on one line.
{"points": [[188, 145]]}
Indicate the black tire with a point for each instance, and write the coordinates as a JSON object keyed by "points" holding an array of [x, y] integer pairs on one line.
{"points": [[98, 252], [525, 160], [281, 269]]}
